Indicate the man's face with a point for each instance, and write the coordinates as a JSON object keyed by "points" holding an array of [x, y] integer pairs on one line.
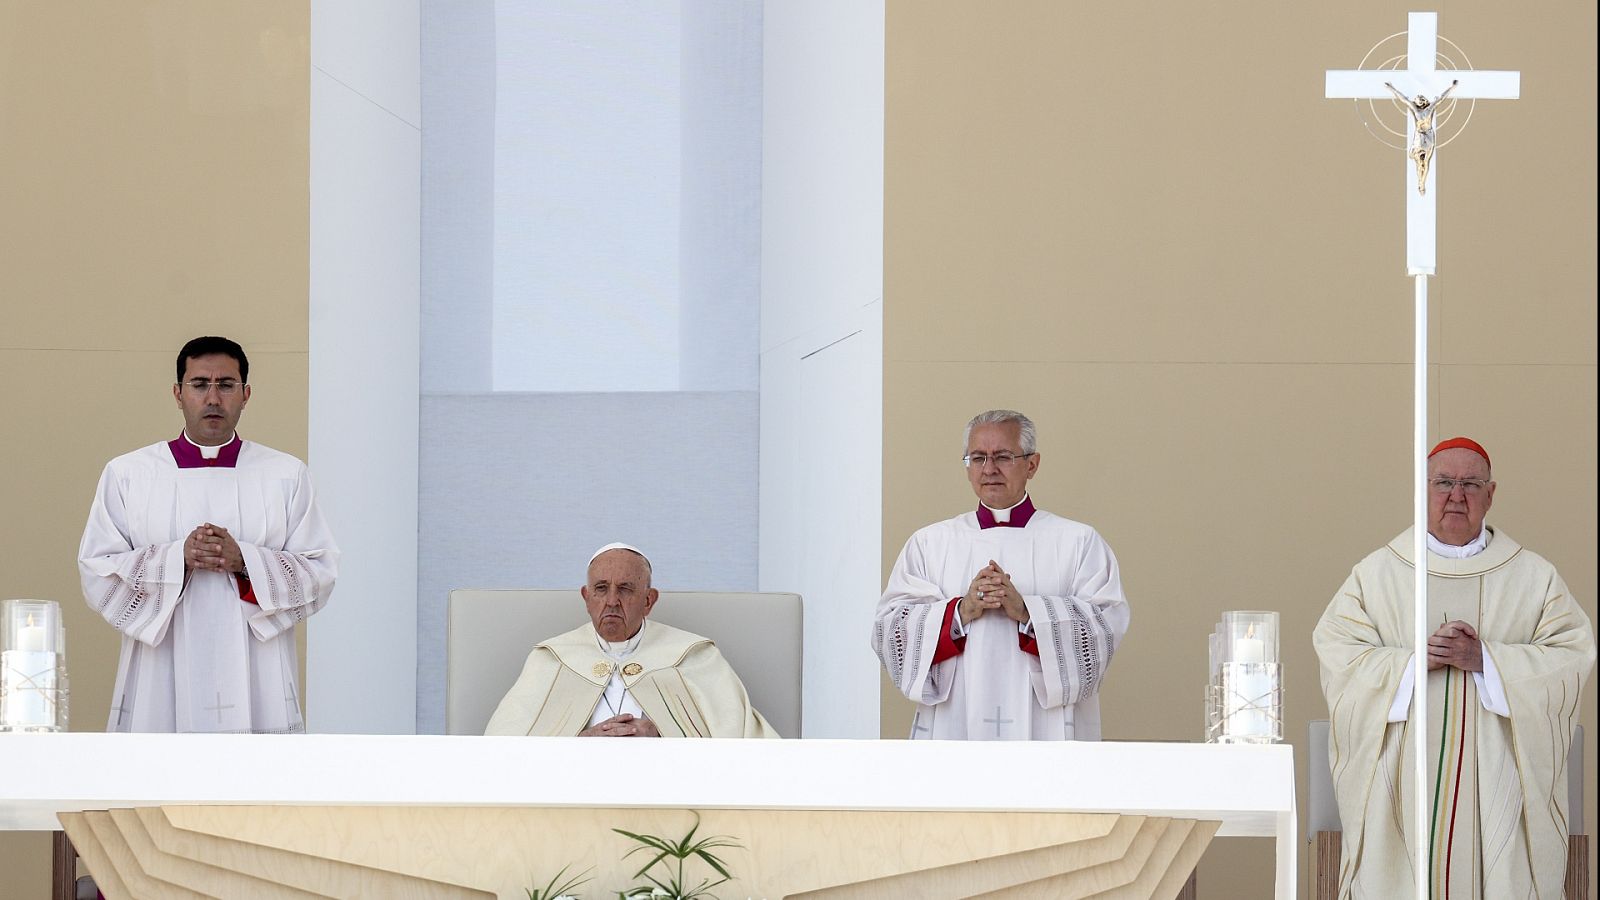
{"points": [[997, 486], [618, 595], [210, 416], [1456, 516]]}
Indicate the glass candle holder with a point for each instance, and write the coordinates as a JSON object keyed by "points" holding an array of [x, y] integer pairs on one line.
{"points": [[33, 674], [1245, 689]]}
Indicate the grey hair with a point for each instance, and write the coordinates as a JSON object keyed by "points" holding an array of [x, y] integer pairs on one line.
{"points": [[1030, 438]]}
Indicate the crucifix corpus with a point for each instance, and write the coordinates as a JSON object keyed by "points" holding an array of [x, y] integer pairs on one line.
{"points": [[1421, 90]]}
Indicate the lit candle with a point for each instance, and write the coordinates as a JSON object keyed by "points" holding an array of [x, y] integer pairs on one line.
{"points": [[1250, 685], [30, 636], [1249, 649]]}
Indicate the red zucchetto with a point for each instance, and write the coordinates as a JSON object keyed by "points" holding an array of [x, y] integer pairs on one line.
{"points": [[1462, 442]]}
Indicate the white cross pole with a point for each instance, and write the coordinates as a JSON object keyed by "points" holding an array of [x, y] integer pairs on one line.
{"points": [[1421, 77]]}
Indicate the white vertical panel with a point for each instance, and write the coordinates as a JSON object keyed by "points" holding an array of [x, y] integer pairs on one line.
{"points": [[822, 343], [822, 164], [361, 664]]}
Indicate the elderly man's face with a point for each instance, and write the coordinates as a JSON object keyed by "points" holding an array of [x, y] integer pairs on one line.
{"points": [[211, 412], [999, 486], [1455, 515], [618, 595]]}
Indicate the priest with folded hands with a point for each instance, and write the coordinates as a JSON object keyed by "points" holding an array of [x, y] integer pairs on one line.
{"points": [[1508, 654], [1000, 622], [205, 552]]}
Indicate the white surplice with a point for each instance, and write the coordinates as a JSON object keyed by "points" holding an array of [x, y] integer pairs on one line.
{"points": [[994, 690], [195, 657]]}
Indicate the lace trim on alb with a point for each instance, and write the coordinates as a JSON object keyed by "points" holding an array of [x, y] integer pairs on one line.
{"points": [[133, 587], [903, 642], [281, 564], [1091, 646]]}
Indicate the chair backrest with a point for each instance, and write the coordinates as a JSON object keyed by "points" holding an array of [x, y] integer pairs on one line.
{"points": [[1323, 811], [1323, 814], [490, 633]]}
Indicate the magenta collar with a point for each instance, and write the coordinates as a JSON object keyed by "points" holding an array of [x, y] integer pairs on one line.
{"points": [[187, 455], [1020, 514]]}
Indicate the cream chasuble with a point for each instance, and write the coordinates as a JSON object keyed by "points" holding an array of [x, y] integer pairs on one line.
{"points": [[994, 690], [680, 680], [195, 657], [1498, 785]]}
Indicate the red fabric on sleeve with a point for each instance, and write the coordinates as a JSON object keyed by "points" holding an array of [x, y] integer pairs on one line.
{"points": [[1028, 643], [947, 647], [247, 591]]}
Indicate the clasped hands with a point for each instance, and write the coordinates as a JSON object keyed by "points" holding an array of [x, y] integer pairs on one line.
{"points": [[992, 589], [1455, 644], [211, 548], [624, 725]]}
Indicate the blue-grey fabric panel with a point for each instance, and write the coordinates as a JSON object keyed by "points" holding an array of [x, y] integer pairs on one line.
{"points": [[518, 489], [457, 258], [719, 225]]}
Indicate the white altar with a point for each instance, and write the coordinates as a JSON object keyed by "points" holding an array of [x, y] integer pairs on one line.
{"points": [[1247, 790]]}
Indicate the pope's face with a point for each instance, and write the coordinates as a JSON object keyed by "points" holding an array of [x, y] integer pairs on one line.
{"points": [[210, 416], [997, 486], [1456, 516], [618, 595]]}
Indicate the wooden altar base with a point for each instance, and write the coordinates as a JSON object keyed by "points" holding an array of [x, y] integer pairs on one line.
{"points": [[481, 852]]}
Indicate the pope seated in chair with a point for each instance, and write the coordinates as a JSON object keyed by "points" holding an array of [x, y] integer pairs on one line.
{"points": [[622, 675]]}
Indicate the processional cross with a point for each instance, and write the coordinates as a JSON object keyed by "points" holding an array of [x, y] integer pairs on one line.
{"points": [[1421, 80], [1421, 89]]}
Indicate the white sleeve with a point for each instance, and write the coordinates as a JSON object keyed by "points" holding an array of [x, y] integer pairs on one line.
{"points": [[1401, 707], [1491, 690], [136, 589], [293, 581], [1078, 633], [907, 626]]}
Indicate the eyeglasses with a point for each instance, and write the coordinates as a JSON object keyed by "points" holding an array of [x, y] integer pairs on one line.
{"points": [[1002, 460], [203, 386], [1469, 486]]}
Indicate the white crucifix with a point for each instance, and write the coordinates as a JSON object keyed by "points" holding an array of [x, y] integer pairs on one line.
{"points": [[1425, 85]]}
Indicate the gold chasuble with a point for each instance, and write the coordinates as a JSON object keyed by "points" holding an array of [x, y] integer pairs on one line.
{"points": [[680, 680], [1497, 786]]}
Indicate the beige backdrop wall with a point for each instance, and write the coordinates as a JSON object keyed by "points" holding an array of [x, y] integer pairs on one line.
{"points": [[1141, 225], [153, 187]]}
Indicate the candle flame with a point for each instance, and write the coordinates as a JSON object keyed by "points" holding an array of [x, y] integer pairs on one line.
{"points": [[1250, 630], [30, 620]]}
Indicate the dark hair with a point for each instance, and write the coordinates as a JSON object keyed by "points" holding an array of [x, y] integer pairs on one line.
{"points": [[206, 346]]}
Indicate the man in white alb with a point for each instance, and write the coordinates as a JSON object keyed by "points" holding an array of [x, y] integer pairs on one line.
{"points": [[1000, 623], [204, 552], [621, 675], [1508, 655]]}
